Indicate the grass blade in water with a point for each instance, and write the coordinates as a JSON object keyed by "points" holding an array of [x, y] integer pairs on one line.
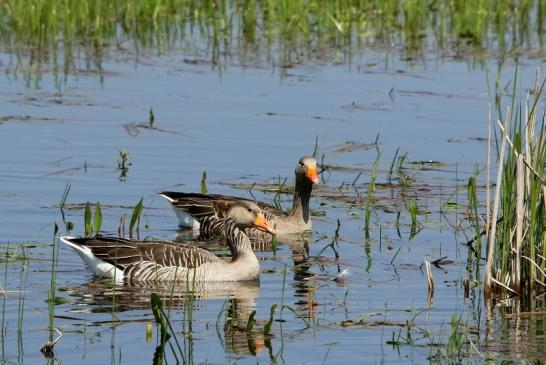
{"points": [[135, 217], [87, 220], [97, 220]]}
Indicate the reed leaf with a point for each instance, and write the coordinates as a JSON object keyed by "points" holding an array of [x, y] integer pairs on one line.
{"points": [[87, 220], [97, 219], [135, 217]]}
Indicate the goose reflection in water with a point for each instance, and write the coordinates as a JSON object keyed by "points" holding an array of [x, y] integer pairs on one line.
{"points": [[102, 296]]}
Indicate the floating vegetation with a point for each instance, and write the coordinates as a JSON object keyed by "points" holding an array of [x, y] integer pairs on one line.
{"points": [[350, 146], [133, 129]]}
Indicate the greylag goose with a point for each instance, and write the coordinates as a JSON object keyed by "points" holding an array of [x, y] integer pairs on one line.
{"points": [[200, 211], [153, 261]]}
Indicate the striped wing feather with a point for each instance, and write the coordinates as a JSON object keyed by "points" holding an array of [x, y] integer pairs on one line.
{"points": [[205, 205], [123, 254]]}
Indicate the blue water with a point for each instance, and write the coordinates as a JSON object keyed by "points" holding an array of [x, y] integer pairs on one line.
{"points": [[244, 125]]}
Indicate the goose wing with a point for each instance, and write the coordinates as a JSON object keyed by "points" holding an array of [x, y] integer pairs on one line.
{"points": [[126, 253], [212, 205]]}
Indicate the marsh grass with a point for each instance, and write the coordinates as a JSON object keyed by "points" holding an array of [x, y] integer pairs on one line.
{"points": [[516, 256], [474, 256], [53, 282], [57, 32], [3, 330], [369, 194], [459, 346], [68, 225]]}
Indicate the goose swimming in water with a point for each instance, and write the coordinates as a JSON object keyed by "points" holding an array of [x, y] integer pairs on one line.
{"points": [[200, 211], [152, 261]]}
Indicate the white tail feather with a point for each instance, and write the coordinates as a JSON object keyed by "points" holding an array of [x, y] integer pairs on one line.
{"points": [[186, 219], [97, 266], [167, 197]]}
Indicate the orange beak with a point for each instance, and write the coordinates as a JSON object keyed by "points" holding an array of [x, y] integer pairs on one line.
{"points": [[312, 174], [263, 225]]}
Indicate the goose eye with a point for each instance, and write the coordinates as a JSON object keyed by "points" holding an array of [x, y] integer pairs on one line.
{"points": [[249, 210]]}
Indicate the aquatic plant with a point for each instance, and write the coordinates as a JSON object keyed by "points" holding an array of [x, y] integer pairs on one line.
{"points": [[87, 220], [460, 345], [68, 225], [269, 323], [369, 194], [123, 164], [151, 118], [94, 225], [52, 299], [204, 189], [135, 218], [516, 231]]}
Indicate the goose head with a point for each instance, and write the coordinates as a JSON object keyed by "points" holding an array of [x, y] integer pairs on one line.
{"points": [[307, 168], [246, 214]]}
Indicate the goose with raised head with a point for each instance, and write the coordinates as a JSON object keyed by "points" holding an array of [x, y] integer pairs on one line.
{"points": [[201, 211], [153, 261]]}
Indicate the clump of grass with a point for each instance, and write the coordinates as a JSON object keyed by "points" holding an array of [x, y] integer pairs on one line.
{"points": [[460, 344], [516, 256], [413, 210]]}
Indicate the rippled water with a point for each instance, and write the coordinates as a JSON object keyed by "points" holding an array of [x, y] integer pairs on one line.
{"points": [[243, 126]]}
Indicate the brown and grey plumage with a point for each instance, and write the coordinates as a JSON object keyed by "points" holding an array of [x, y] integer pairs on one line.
{"points": [[149, 261], [201, 211]]}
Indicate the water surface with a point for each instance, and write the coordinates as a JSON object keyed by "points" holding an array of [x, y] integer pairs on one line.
{"points": [[246, 125]]}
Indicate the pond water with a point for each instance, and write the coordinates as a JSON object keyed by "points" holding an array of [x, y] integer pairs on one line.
{"points": [[248, 125]]}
